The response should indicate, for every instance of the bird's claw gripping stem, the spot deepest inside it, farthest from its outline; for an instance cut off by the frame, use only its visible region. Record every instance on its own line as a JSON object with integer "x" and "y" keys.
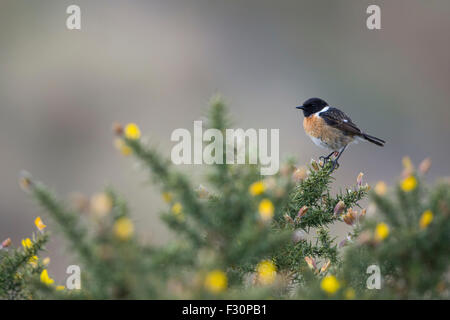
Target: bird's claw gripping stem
{"x": 334, "y": 162}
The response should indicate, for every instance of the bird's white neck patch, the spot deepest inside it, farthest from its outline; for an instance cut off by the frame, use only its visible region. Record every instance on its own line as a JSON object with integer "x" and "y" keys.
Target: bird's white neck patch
{"x": 323, "y": 110}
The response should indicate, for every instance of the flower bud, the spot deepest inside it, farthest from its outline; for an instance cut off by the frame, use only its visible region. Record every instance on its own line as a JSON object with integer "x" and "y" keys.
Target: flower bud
{"x": 408, "y": 167}
{"x": 314, "y": 165}
{"x": 6, "y": 243}
{"x": 299, "y": 174}
{"x": 339, "y": 208}
{"x": 359, "y": 179}
{"x": 350, "y": 217}
{"x": 425, "y": 166}
{"x": 325, "y": 266}
{"x": 311, "y": 263}
{"x": 25, "y": 181}
{"x": 321, "y": 163}
{"x": 117, "y": 129}
{"x": 288, "y": 219}
{"x": 363, "y": 213}
{"x": 302, "y": 211}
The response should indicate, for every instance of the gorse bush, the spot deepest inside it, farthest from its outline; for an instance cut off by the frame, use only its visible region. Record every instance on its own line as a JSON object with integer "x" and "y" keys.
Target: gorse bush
{"x": 242, "y": 236}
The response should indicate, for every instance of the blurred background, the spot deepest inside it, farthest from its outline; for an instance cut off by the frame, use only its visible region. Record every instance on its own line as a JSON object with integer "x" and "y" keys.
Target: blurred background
{"x": 157, "y": 63}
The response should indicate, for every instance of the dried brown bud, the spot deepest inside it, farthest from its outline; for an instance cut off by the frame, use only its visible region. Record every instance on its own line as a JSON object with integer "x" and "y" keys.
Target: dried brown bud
{"x": 321, "y": 163}
{"x": 302, "y": 211}
{"x": 314, "y": 165}
{"x": 288, "y": 219}
{"x": 425, "y": 166}
{"x": 117, "y": 129}
{"x": 363, "y": 213}
{"x": 311, "y": 263}
{"x": 350, "y": 217}
{"x": 325, "y": 266}
{"x": 359, "y": 179}
{"x": 299, "y": 174}
{"x": 25, "y": 181}
{"x": 339, "y": 208}
{"x": 6, "y": 243}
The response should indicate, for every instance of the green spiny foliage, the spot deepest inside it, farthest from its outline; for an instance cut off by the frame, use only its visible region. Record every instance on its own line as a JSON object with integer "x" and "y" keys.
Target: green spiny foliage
{"x": 19, "y": 266}
{"x": 414, "y": 256}
{"x": 244, "y": 236}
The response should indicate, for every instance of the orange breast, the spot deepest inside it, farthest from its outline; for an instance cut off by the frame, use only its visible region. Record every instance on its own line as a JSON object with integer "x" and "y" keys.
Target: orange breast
{"x": 314, "y": 126}
{"x": 334, "y": 138}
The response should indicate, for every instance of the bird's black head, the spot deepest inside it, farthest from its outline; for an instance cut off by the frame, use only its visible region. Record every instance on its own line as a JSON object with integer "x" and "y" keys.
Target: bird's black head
{"x": 312, "y": 105}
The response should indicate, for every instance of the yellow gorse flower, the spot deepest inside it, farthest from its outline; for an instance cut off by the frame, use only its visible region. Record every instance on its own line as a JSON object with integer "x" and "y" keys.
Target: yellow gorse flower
{"x": 132, "y": 131}
{"x": 46, "y": 261}
{"x": 123, "y": 228}
{"x": 39, "y": 224}
{"x": 45, "y": 278}
{"x": 266, "y": 209}
{"x": 425, "y": 219}
{"x": 216, "y": 281}
{"x": 408, "y": 184}
{"x": 33, "y": 261}
{"x": 257, "y": 188}
{"x": 177, "y": 208}
{"x": 59, "y": 288}
{"x": 167, "y": 197}
{"x": 381, "y": 231}
{"x": 26, "y": 243}
{"x": 330, "y": 284}
{"x": 267, "y": 272}
{"x": 122, "y": 147}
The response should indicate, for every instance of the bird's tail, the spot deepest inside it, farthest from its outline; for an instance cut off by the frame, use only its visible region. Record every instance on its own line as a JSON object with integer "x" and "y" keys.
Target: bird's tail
{"x": 373, "y": 139}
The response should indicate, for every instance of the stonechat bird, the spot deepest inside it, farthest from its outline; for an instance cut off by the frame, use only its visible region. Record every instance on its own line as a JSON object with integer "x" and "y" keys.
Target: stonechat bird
{"x": 330, "y": 128}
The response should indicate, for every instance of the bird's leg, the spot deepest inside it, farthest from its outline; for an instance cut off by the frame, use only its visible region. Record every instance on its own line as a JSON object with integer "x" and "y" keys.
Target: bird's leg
{"x": 325, "y": 159}
{"x": 335, "y": 162}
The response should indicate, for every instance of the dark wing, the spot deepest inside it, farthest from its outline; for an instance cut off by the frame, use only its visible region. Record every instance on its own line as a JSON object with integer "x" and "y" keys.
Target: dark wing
{"x": 339, "y": 120}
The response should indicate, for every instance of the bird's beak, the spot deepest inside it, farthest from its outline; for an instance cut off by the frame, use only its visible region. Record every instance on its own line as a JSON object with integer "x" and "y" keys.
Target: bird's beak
{"x": 299, "y": 107}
